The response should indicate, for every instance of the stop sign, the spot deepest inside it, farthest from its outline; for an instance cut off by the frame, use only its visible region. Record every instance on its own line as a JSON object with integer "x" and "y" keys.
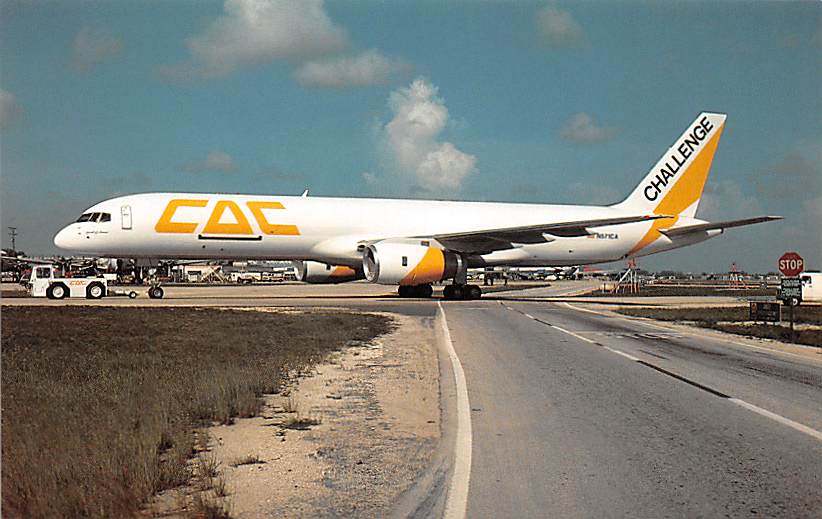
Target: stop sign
{"x": 791, "y": 264}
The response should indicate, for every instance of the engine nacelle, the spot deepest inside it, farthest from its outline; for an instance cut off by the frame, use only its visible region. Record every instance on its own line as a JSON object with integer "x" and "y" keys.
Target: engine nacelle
{"x": 401, "y": 263}
{"x": 323, "y": 273}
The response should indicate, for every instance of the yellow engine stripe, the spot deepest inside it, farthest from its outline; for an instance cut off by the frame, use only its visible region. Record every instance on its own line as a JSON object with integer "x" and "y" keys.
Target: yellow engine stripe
{"x": 430, "y": 268}
{"x": 342, "y": 271}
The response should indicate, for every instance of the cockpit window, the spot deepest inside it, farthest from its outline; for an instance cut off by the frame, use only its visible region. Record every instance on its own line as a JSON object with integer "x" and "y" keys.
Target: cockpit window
{"x": 95, "y": 217}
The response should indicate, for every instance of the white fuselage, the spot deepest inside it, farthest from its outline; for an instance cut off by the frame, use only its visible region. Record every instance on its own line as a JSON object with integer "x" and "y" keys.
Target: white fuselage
{"x": 333, "y": 230}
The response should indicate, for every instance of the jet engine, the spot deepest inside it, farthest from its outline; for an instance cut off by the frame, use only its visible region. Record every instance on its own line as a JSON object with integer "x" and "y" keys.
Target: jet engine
{"x": 406, "y": 264}
{"x": 323, "y": 273}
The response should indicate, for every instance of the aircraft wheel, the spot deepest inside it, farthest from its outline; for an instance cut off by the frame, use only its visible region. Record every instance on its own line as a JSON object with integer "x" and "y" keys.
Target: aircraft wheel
{"x": 403, "y": 291}
{"x": 448, "y": 292}
{"x": 458, "y": 291}
{"x": 57, "y": 291}
{"x": 472, "y": 292}
{"x": 95, "y": 291}
{"x": 426, "y": 291}
{"x": 155, "y": 293}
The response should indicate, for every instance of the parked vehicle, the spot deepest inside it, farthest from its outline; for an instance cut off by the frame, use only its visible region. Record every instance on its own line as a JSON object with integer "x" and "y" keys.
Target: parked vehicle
{"x": 45, "y": 283}
{"x": 811, "y": 286}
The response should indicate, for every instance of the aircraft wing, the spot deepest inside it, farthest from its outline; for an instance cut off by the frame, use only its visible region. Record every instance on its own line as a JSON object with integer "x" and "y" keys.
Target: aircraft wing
{"x": 687, "y": 229}
{"x": 489, "y": 240}
{"x": 21, "y": 259}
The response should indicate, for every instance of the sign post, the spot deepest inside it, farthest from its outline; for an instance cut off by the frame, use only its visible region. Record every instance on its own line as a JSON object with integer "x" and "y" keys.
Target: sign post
{"x": 791, "y": 265}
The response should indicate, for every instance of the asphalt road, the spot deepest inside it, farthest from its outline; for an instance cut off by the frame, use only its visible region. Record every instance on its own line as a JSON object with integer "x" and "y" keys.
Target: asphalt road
{"x": 673, "y": 425}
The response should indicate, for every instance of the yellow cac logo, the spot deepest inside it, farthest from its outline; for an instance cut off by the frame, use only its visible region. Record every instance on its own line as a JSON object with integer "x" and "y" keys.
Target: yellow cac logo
{"x": 214, "y": 224}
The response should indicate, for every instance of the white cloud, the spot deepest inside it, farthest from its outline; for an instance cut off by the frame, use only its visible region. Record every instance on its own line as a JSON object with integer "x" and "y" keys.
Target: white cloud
{"x": 412, "y": 139}
{"x": 10, "y": 110}
{"x": 581, "y": 128}
{"x": 92, "y": 47}
{"x": 726, "y": 200}
{"x": 252, "y": 32}
{"x": 216, "y": 161}
{"x": 811, "y": 238}
{"x": 559, "y": 29}
{"x": 370, "y": 179}
{"x": 368, "y": 68}
{"x": 797, "y": 175}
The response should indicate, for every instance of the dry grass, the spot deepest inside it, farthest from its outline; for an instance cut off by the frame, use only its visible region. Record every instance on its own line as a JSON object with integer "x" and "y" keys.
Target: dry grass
{"x": 100, "y": 404}
{"x": 692, "y": 290}
{"x": 734, "y": 320}
{"x": 207, "y": 507}
{"x": 804, "y": 314}
{"x": 219, "y": 487}
{"x": 251, "y": 459}
{"x": 301, "y": 423}
{"x": 207, "y": 466}
{"x": 290, "y": 405}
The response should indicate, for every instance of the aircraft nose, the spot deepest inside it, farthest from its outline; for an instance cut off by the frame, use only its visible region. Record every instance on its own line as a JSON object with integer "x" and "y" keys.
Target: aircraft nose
{"x": 66, "y": 239}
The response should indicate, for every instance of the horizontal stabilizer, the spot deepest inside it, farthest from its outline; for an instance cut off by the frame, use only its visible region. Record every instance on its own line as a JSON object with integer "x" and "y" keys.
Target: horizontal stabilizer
{"x": 678, "y": 231}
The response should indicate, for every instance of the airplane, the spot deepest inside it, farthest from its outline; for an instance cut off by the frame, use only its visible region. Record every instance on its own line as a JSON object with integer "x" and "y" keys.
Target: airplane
{"x": 414, "y": 243}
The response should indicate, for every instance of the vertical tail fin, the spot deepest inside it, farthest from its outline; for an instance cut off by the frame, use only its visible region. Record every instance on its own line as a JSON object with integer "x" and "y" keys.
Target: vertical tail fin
{"x": 674, "y": 185}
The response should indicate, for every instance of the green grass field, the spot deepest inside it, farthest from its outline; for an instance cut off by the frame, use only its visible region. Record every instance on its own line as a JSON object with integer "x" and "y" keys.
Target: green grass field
{"x": 100, "y": 405}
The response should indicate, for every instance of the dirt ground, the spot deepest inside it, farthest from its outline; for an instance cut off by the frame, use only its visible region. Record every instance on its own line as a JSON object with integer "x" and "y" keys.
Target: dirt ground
{"x": 345, "y": 440}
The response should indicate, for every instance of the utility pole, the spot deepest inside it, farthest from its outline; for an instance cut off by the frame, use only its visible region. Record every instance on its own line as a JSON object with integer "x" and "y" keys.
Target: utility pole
{"x": 13, "y": 235}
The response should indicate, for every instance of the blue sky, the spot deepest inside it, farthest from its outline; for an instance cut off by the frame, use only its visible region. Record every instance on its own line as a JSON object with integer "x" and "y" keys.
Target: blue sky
{"x": 512, "y": 101}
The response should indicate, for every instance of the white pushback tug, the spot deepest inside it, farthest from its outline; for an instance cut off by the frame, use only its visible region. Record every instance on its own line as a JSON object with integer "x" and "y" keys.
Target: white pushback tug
{"x": 44, "y": 283}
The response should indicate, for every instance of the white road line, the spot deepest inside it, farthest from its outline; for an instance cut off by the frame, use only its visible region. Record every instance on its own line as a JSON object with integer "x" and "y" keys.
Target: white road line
{"x": 572, "y": 334}
{"x": 626, "y": 355}
{"x": 572, "y": 307}
{"x": 457, "y": 501}
{"x": 618, "y": 352}
{"x": 779, "y": 418}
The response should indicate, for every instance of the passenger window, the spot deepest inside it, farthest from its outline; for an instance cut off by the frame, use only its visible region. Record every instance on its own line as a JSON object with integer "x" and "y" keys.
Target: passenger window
{"x": 105, "y": 217}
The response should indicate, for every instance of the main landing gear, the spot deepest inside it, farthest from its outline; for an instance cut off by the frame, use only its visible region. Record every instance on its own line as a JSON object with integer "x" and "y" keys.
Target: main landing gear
{"x": 463, "y": 292}
{"x": 450, "y": 292}
{"x": 423, "y": 291}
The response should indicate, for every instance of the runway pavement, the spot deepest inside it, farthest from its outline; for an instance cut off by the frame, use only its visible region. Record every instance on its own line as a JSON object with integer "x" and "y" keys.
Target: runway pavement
{"x": 576, "y": 412}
